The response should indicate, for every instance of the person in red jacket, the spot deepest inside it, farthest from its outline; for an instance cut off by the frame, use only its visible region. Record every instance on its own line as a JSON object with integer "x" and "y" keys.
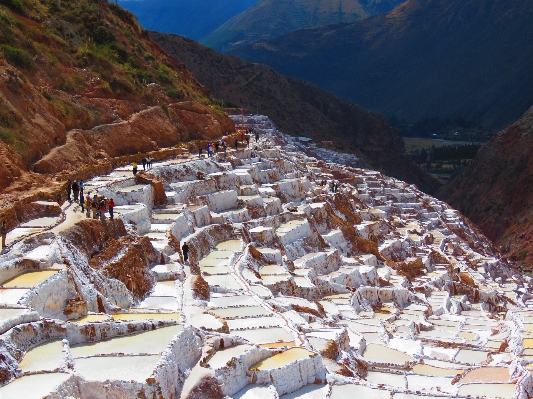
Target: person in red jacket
{"x": 111, "y": 205}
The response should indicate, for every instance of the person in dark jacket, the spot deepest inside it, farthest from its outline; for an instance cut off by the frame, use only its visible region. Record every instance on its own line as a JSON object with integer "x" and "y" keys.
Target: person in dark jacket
{"x": 185, "y": 251}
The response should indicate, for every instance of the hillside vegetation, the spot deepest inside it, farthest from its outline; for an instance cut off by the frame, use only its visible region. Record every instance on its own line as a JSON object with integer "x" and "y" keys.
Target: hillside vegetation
{"x": 495, "y": 190}
{"x": 82, "y": 86}
{"x": 468, "y": 59}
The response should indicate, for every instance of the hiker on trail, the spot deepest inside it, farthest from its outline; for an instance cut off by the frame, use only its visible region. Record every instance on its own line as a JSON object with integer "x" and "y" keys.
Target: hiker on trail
{"x": 102, "y": 208}
{"x": 134, "y": 166}
{"x": 88, "y": 204}
{"x": 200, "y": 152}
{"x": 144, "y": 163}
{"x": 82, "y": 203}
{"x": 82, "y": 187}
{"x": 69, "y": 189}
{"x": 150, "y": 162}
{"x": 185, "y": 251}
{"x": 247, "y": 141}
{"x": 75, "y": 191}
{"x": 3, "y": 231}
{"x": 236, "y": 144}
{"x": 111, "y": 206}
{"x": 94, "y": 206}
{"x": 209, "y": 150}
{"x": 224, "y": 145}
{"x": 256, "y": 137}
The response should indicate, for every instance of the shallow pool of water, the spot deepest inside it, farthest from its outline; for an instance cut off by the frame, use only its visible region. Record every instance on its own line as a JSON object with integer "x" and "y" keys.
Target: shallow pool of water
{"x": 381, "y": 354}
{"x": 160, "y": 302}
{"x": 145, "y": 316}
{"x": 152, "y": 342}
{"x": 282, "y": 359}
{"x": 245, "y": 311}
{"x": 265, "y": 335}
{"x": 222, "y": 357}
{"x": 34, "y": 386}
{"x": 223, "y": 280}
{"x": 232, "y": 300}
{"x": 272, "y": 269}
{"x": 275, "y": 278}
{"x": 230, "y": 245}
{"x": 29, "y": 279}
{"x": 392, "y": 380}
{"x": 357, "y": 391}
{"x": 255, "y": 322}
{"x": 468, "y": 356}
{"x": 425, "y": 369}
{"x": 505, "y": 391}
{"x": 124, "y": 368}
{"x": 496, "y": 375}
{"x": 45, "y": 357}
{"x": 165, "y": 288}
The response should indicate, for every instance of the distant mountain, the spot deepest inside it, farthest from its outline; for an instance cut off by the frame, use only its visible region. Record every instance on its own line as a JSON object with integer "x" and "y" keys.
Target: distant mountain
{"x": 299, "y": 108}
{"x": 272, "y": 18}
{"x": 425, "y": 58}
{"x": 495, "y": 190}
{"x": 193, "y": 19}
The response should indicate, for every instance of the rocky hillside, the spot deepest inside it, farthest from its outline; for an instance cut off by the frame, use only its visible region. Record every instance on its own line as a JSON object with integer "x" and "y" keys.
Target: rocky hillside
{"x": 272, "y": 18}
{"x": 82, "y": 87}
{"x": 298, "y": 108}
{"x": 193, "y": 19}
{"x": 495, "y": 190}
{"x": 425, "y": 58}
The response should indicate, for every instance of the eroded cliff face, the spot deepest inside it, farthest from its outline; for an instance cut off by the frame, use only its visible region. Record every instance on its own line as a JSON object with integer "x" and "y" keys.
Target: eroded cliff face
{"x": 495, "y": 190}
{"x": 82, "y": 88}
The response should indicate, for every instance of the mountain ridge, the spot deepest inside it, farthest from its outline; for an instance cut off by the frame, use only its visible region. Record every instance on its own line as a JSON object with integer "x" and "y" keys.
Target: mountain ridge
{"x": 435, "y": 58}
{"x": 271, "y": 18}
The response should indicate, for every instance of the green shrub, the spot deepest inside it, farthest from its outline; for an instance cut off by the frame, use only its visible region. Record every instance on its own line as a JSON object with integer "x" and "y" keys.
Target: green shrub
{"x": 15, "y": 5}
{"x": 102, "y": 35}
{"x": 522, "y": 254}
{"x": 16, "y": 56}
{"x": 174, "y": 94}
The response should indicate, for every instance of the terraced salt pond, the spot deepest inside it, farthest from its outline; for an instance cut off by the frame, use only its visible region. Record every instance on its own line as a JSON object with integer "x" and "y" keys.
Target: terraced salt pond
{"x": 381, "y": 354}
{"x": 45, "y": 357}
{"x": 241, "y": 312}
{"x": 223, "y": 356}
{"x": 29, "y": 279}
{"x": 121, "y": 368}
{"x": 282, "y": 359}
{"x": 35, "y": 386}
{"x": 265, "y": 335}
{"x": 153, "y": 342}
{"x": 145, "y": 316}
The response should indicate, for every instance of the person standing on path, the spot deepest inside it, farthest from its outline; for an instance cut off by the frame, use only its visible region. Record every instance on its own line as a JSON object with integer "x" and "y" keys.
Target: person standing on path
{"x": 102, "y": 208}
{"x": 3, "y": 232}
{"x": 94, "y": 206}
{"x": 185, "y": 251}
{"x": 88, "y": 204}
{"x": 144, "y": 161}
{"x": 111, "y": 206}
{"x": 236, "y": 144}
{"x": 81, "y": 185}
{"x": 75, "y": 190}
{"x": 82, "y": 203}
{"x": 134, "y": 166}
{"x": 200, "y": 152}
{"x": 69, "y": 190}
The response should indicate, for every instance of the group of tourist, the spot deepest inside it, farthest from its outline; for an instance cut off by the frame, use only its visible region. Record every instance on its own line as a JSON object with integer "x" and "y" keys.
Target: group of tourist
{"x": 98, "y": 205}
{"x": 75, "y": 189}
{"x": 213, "y": 148}
{"x": 147, "y": 163}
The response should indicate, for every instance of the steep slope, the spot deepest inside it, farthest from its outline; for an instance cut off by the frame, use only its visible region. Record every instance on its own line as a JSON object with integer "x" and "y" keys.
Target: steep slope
{"x": 426, "y": 58}
{"x": 193, "y": 19}
{"x": 272, "y": 18}
{"x": 495, "y": 190}
{"x": 82, "y": 88}
{"x": 298, "y": 108}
